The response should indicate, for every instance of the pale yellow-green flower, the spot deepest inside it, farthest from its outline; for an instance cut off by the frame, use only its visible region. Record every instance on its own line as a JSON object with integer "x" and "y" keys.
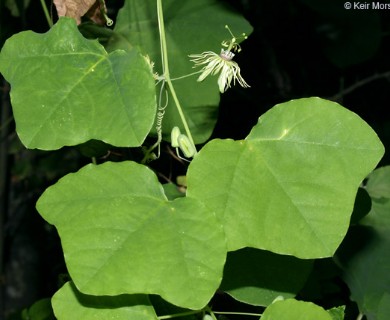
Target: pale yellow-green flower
{"x": 221, "y": 63}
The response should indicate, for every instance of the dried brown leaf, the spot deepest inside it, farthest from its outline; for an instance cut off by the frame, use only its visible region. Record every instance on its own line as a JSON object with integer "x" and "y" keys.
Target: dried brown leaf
{"x": 73, "y": 8}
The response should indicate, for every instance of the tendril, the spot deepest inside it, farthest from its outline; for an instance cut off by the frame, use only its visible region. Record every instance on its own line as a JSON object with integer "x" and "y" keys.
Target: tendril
{"x": 103, "y": 11}
{"x": 160, "y": 117}
{"x": 159, "y": 121}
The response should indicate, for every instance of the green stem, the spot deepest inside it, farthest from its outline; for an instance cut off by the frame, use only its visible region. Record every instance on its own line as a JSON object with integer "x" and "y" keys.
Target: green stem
{"x": 187, "y": 75}
{"x": 103, "y": 11}
{"x": 177, "y": 315}
{"x": 165, "y": 66}
{"x": 239, "y": 313}
{"x": 208, "y": 309}
{"x": 47, "y": 15}
{"x": 360, "y": 316}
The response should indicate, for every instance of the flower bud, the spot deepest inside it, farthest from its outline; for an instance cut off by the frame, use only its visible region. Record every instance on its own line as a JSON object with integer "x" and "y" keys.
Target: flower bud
{"x": 175, "y": 133}
{"x": 186, "y": 146}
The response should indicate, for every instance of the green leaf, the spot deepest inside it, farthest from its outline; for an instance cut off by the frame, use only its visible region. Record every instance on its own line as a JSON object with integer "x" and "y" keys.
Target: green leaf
{"x": 361, "y": 207}
{"x": 70, "y": 304}
{"x": 172, "y": 191}
{"x": 378, "y": 183}
{"x": 191, "y": 27}
{"x": 290, "y": 186}
{"x": 378, "y": 187}
{"x": 364, "y": 254}
{"x": 67, "y": 90}
{"x": 120, "y": 235}
{"x": 337, "y": 313}
{"x": 364, "y": 258}
{"x": 40, "y": 310}
{"x": 291, "y": 309}
{"x": 258, "y": 277}
{"x": 94, "y": 148}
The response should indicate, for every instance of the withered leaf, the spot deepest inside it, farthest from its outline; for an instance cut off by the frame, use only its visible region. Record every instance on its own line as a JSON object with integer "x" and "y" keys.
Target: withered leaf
{"x": 73, "y": 8}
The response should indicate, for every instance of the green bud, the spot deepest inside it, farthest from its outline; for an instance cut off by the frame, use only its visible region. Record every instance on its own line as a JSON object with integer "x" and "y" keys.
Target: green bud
{"x": 186, "y": 146}
{"x": 175, "y": 133}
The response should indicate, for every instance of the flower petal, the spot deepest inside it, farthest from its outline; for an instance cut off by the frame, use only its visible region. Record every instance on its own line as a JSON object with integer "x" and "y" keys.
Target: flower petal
{"x": 228, "y": 69}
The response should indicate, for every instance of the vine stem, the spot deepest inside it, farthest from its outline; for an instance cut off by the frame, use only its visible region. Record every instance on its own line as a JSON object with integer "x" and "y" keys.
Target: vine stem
{"x": 177, "y": 315}
{"x": 361, "y": 83}
{"x": 238, "y": 313}
{"x": 165, "y": 66}
{"x": 212, "y": 313}
{"x": 47, "y": 15}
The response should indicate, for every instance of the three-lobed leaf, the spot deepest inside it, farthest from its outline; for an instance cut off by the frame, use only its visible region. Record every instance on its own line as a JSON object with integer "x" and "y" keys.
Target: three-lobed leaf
{"x": 67, "y": 90}
{"x": 290, "y": 186}
{"x": 120, "y": 235}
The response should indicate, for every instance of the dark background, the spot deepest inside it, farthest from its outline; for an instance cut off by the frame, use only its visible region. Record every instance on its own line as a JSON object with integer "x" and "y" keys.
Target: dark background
{"x": 299, "y": 48}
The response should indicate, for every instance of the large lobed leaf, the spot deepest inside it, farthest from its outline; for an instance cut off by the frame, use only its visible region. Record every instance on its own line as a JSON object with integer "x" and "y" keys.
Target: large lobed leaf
{"x": 67, "y": 90}
{"x": 120, "y": 235}
{"x": 191, "y": 27}
{"x": 290, "y": 186}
